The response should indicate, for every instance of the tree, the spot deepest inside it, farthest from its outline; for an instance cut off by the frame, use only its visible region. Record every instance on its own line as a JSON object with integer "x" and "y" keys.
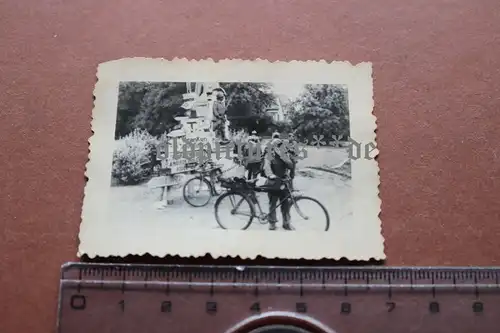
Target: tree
{"x": 130, "y": 95}
{"x": 246, "y": 104}
{"x": 151, "y": 106}
{"x": 321, "y": 110}
{"x": 160, "y": 105}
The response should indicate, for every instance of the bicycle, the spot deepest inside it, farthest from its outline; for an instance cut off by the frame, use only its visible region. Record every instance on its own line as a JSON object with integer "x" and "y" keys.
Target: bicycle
{"x": 205, "y": 182}
{"x": 247, "y": 191}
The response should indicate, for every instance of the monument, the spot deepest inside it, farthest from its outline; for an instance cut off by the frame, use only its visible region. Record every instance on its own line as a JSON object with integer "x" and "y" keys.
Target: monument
{"x": 195, "y": 126}
{"x": 198, "y": 103}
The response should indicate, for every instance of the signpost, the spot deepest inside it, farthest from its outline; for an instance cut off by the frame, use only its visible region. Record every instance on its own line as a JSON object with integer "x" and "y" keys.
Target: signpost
{"x": 196, "y": 124}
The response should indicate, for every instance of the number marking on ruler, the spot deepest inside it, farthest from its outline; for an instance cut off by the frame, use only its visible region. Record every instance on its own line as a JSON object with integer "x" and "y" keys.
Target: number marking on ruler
{"x": 128, "y": 298}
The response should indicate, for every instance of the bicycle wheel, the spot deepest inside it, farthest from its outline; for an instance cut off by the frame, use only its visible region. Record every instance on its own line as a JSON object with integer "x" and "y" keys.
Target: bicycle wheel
{"x": 309, "y": 214}
{"x": 236, "y": 208}
{"x": 197, "y": 192}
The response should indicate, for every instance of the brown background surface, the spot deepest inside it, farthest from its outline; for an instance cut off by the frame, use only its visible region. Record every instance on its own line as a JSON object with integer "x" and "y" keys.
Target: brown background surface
{"x": 437, "y": 99}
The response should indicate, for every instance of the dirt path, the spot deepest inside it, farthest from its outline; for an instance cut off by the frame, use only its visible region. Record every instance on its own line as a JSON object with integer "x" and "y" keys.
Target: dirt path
{"x": 139, "y": 204}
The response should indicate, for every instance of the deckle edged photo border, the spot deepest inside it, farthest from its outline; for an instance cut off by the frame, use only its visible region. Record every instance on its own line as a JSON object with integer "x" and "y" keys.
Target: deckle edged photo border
{"x": 105, "y": 231}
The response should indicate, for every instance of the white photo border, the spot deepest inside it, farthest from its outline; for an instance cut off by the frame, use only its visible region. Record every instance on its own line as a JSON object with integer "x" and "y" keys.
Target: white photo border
{"x": 362, "y": 240}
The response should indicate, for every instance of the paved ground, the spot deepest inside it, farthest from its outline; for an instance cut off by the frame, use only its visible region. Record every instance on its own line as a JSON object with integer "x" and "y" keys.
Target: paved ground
{"x": 139, "y": 204}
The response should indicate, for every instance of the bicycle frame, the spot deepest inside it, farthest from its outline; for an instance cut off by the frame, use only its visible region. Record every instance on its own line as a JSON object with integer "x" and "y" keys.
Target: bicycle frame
{"x": 206, "y": 175}
{"x": 254, "y": 200}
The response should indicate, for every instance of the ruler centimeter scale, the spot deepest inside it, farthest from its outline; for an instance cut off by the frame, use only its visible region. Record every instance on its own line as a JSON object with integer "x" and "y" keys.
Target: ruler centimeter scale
{"x": 231, "y": 299}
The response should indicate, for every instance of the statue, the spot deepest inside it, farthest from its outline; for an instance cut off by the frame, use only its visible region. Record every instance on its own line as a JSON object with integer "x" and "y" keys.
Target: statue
{"x": 219, "y": 117}
{"x": 205, "y": 111}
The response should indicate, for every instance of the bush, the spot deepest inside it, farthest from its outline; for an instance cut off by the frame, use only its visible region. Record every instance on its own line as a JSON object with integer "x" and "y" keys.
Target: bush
{"x": 238, "y": 139}
{"x": 239, "y": 136}
{"x": 132, "y": 157}
{"x": 322, "y": 110}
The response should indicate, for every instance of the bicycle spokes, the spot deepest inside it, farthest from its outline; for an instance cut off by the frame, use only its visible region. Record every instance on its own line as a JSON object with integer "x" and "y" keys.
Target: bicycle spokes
{"x": 197, "y": 192}
{"x": 234, "y": 211}
{"x": 235, "y": 204}
{"x": 309, "y": 214}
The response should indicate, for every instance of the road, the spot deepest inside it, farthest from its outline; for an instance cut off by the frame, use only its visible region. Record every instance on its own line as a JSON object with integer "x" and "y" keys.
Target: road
{"x": 140, "y": 204}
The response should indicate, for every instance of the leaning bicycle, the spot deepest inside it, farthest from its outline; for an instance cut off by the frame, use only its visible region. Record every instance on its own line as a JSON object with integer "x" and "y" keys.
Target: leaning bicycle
{"x": 198, "y": 190}
{"x": 241, "y": 203}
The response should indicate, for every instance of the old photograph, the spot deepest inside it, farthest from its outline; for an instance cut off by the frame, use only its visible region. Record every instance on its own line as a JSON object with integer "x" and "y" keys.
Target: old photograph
{"x": 232, "y": 158}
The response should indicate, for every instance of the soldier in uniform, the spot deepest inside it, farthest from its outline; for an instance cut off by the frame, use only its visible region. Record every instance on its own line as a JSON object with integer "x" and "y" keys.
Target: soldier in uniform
{"x": 277, "y": 166}
{"x": 254, "y": 137}
{"x": 252, "y": 156}
{"x": 293, "y": 150}
{"x": 219, "y": 117}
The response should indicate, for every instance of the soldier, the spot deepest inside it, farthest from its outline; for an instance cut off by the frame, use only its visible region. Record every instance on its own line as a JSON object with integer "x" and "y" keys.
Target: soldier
{"x": 219, "y": 117}
{"x": 254, "y": 137}
{"x": 293, "y": 150}
{"x": 277, "y": 167}
{"x": 252, "y": 156}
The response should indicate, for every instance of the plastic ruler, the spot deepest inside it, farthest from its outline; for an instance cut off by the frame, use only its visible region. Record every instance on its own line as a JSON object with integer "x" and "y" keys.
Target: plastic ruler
{"x": 102, "y": 298}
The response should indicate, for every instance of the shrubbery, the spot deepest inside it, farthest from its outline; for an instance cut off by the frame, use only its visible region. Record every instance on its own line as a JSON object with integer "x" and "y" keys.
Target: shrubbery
{"x": 151, "y": 108}
{"x": 132, "y": 157}
{"x": 238, "y": 140}
{"x": 322, "y": 110}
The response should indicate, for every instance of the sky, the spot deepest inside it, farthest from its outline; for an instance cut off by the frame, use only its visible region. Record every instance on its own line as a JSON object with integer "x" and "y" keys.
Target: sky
{"x": 290, "y": 89}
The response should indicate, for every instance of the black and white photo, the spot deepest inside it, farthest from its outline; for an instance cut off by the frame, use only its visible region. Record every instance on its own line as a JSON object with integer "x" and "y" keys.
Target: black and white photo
{"x": 188, "y": 160}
